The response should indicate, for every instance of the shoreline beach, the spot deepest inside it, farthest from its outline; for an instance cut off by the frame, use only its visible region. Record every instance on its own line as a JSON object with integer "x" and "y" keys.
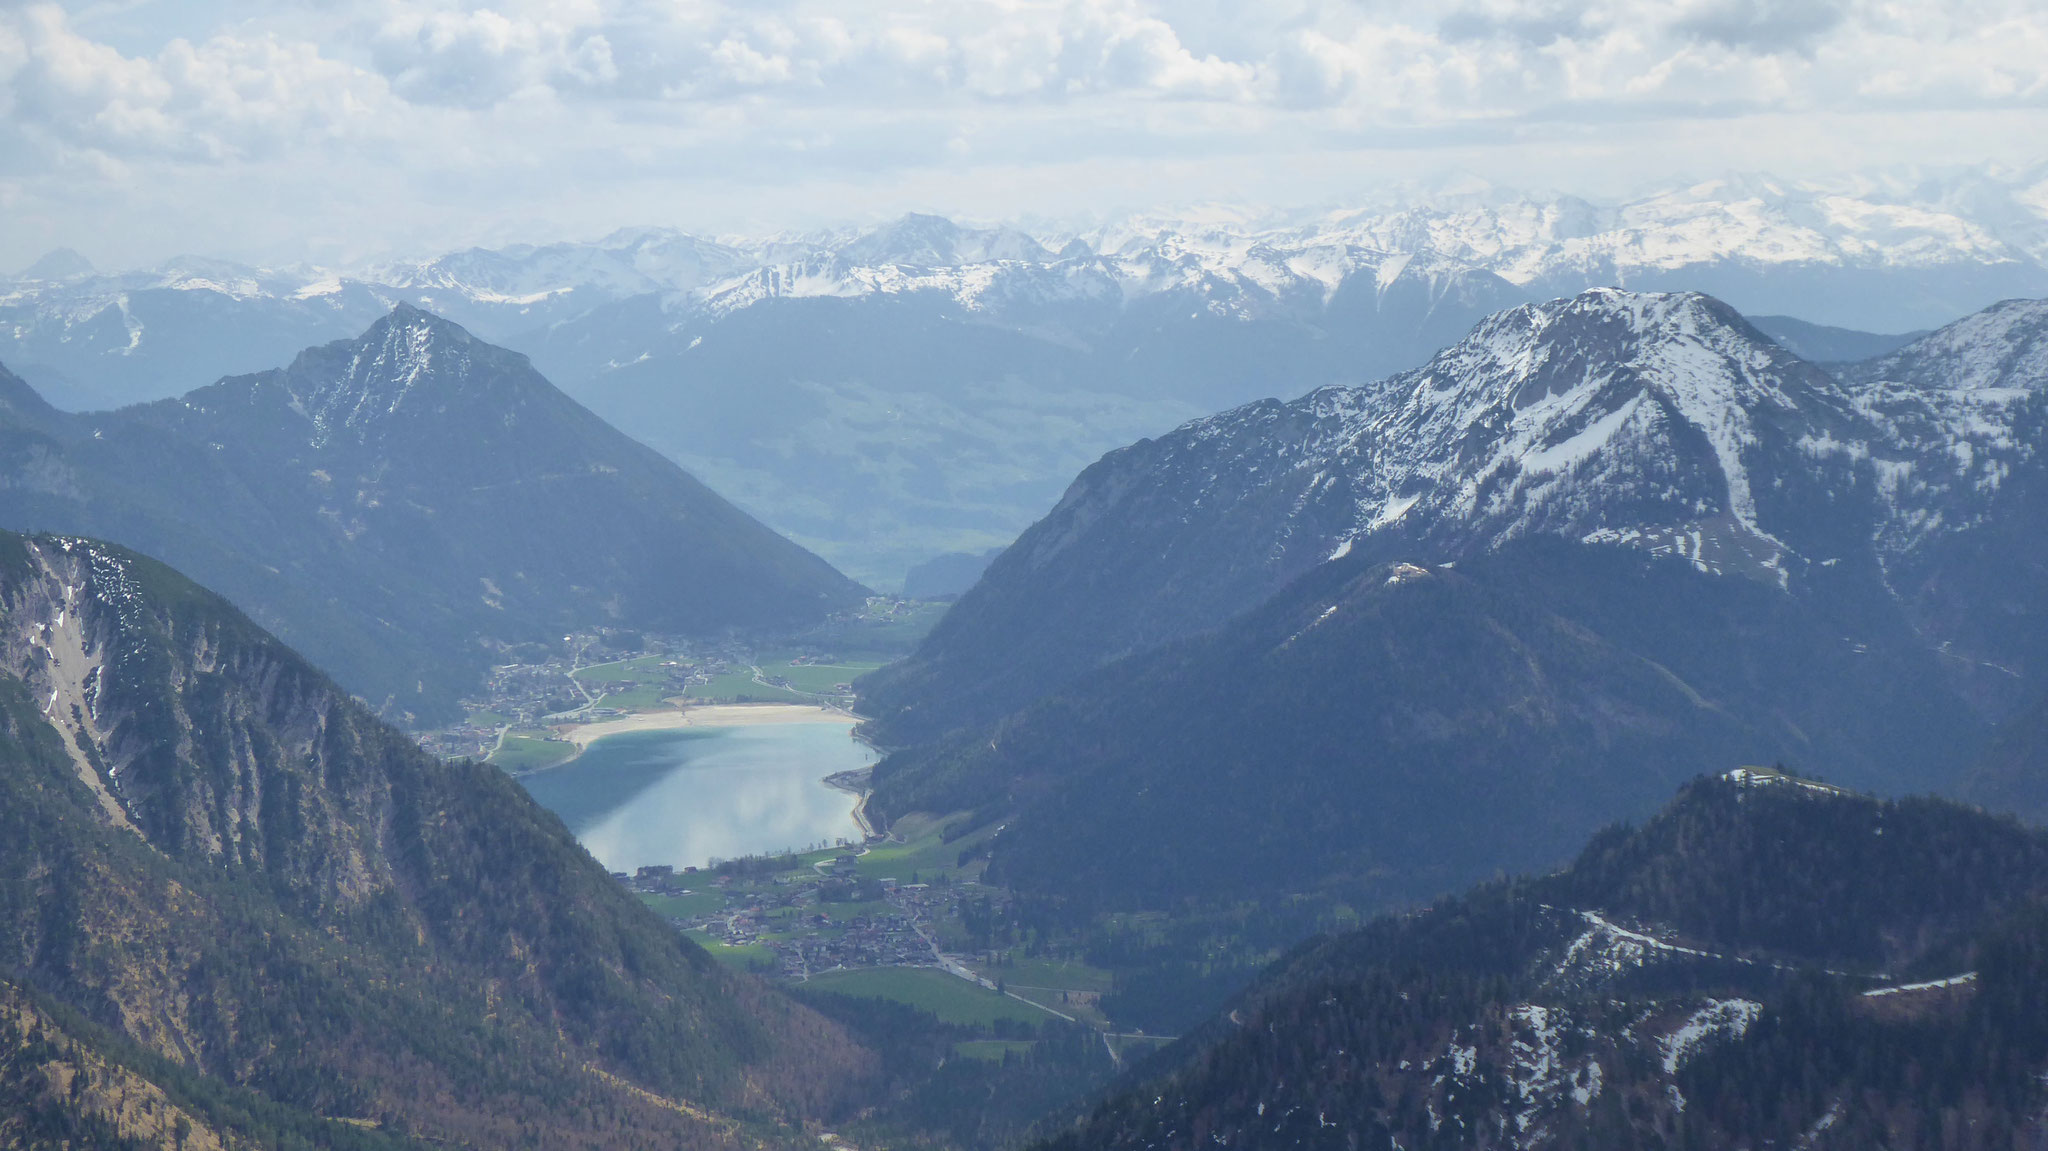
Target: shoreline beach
{"x": 702, "y": 715}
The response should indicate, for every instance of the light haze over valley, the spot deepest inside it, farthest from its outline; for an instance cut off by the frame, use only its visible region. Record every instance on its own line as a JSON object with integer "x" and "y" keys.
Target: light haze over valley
{"x": 1055, "y": 575}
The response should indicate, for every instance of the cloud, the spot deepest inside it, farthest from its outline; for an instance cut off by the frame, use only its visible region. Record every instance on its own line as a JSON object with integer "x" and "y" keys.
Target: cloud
{"x": 485, "y": 100}
{"x": 1762, "y": 25}
{"x": 223, "y": 98}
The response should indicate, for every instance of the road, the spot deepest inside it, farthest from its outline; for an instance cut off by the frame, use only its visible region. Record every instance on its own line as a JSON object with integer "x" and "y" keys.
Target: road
{"x": 952, "y": 966}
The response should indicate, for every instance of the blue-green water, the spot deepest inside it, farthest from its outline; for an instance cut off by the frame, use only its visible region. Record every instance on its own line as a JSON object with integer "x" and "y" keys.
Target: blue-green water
{"x": 686, "y": 797}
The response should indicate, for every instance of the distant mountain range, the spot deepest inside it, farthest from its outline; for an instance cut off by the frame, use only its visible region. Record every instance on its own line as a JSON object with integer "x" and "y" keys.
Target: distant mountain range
{"x": 239, "y": 911}
{"x": 397, "y": 502}
{"x": 886, "y": 395}
{"x": 1769, "y": 962}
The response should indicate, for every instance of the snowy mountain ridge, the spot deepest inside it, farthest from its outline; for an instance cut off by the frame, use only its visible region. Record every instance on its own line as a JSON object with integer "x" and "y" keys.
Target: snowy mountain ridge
{"x": 1547, "y": 245}
{"x": 1654, "y": 421}
{"x": 380, "y": 376}
{"x": 1949, "y": 419}
{"x": 1903, "y": 491}
{"x": 1663, "y": 421}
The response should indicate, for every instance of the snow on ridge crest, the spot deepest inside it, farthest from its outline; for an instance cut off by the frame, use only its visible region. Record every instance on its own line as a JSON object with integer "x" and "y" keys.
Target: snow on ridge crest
{"x": 383, "y": 370}
{"x": 1571, "y": 397}
{"x": 1660, "y": 422}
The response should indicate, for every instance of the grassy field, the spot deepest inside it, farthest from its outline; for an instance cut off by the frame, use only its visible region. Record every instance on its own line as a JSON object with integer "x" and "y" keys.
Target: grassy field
{"x": 488, "y": 719}
{"x": 742, "y": 684}
{"x": 926, "y": 854}
{"x": 845, "y": 911}
{"x": 952, "y": 999}
{"x": 745, "y": 957}
{"x": 991, "y": 1050}
{"x": 820, "y": 678}
{"x": 643, "y": 667}
{"x": 1077, "y": 1005}
{"x": 808, "y": 682}
{"x": 647, "y": 697}
{"x": 686, "y": 906}
{"x": 525, "y": 753}
{"x": 648, "y": 672}
{"x": 1053, "y": 974}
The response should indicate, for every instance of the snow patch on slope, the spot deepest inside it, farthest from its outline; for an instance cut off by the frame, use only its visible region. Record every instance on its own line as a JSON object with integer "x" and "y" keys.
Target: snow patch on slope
{"x": 1719, "y": 1019}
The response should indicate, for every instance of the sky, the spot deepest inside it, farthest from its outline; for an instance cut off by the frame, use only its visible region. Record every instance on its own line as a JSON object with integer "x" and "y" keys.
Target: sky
{"x": 339, "y": 131}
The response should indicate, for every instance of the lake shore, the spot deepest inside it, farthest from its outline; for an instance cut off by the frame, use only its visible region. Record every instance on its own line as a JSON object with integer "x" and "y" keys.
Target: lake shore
{"x": 702, "y": 715}
{"x": 857, "y": 783}
{"x": 685, "y": 787}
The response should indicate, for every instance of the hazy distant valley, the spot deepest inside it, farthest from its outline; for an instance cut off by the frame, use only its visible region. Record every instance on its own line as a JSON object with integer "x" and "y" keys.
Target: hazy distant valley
{"x": 1429, "y": 676}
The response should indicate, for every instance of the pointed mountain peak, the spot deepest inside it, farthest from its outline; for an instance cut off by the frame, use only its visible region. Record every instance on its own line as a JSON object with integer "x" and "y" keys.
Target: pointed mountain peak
{"x": 409, "y": 358}
{"x": 58, "y": 264}
{"x": 920, "y": 240}
{"x": 405, "y": 314}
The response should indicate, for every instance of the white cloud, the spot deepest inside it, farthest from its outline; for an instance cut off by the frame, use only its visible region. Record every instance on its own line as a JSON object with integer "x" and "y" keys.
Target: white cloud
{"x": 509, "y": 108}
{"x": 224, "y": 98}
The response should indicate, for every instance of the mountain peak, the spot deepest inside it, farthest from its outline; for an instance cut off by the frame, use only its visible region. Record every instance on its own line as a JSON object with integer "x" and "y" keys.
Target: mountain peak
{"x": 350, "y": 385}
{"x": 58, "y": 264}
{"x": 926, "y": 241}
{"x": 419, "y": 324}
{"x": 2003, "y": 346}
{"x": 1651, "y": 422}
{"x": 1609, "y": 416}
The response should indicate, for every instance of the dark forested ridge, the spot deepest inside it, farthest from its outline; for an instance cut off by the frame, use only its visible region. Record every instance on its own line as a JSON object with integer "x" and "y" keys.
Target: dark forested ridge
{"x": 1394, "y": 731}
{"x": 2012, "y": 774}
{"x": 1825, "y": 344}
{"x": 1769, "y": 962}
{"x": 388, "y": 504}
{"x": 235, "y": 905}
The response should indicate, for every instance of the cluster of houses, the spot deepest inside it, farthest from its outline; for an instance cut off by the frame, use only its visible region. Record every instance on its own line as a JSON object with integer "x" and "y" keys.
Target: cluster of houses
{"x": 860, "y": 941}
{"x": 807, "y": 932}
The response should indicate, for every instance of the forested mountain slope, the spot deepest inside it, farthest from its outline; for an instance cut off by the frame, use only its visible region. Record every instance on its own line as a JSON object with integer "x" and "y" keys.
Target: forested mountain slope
{"x": 1392, "y": 731}
{"x": 1770, "y": 962}
{"x": 229, "y": 892}
{"x": 388, "y": 502}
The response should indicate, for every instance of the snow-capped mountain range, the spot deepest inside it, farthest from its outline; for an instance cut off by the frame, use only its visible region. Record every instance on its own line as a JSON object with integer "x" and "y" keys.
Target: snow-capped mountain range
{"x": 1664, "y": 423}
{"x": 886, "y": 394}
{"x": 1987, "y": 234}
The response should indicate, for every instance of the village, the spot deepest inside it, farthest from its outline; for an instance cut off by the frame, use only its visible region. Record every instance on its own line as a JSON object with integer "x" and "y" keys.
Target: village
{"x": 796, "y": 926}
{"x": 906, "y": 906}
{"x": 524, "y": 705}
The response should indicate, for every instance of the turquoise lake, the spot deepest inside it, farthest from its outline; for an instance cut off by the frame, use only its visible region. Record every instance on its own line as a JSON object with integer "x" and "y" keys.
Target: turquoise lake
{"x": 686, "y": 797}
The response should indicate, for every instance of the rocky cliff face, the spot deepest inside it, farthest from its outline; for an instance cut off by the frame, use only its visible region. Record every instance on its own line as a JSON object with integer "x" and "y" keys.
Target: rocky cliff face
{"x": 250, "y": 889}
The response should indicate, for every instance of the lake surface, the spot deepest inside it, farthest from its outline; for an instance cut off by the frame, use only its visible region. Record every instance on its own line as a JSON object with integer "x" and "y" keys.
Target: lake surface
{"x": 684, "y": 797}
